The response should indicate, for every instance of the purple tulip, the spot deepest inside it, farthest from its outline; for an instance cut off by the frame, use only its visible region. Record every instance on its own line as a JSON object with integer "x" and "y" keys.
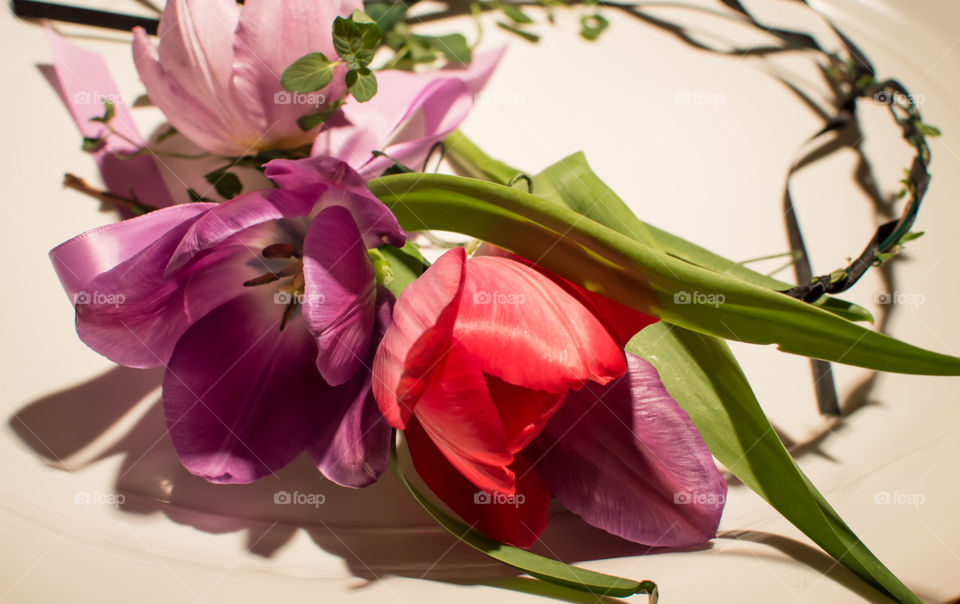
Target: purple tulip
{"x": 266, "y": 313}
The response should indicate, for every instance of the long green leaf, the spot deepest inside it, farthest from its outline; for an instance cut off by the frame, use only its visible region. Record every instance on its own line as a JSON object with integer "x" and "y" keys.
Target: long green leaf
{"x": 703, "y": 376}
{"x": 528, "y": 562}
{"x": 643, "y": 277}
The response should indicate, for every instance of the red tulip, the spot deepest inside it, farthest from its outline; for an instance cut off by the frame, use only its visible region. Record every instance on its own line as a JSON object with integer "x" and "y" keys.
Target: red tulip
{"x": 475, "y": 367}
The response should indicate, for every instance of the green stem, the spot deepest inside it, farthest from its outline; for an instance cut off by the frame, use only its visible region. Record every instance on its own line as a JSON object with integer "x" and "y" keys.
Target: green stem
{"x": 471, "y": 159}
{"x": 545, "y": 569}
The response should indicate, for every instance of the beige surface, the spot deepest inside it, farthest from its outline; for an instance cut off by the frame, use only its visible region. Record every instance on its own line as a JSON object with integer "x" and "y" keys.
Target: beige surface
{"x": 710, "y": 172}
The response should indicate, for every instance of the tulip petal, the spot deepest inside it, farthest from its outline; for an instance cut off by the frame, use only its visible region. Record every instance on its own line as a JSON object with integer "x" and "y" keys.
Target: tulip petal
{"x": 241, "y": 397}
{"x": 524, "y": 329}
{"x": 418, "y": 335}
{"x": 86, "y": 84}
{"x": 234, "y": 215}
{"x": 516, "y": 519}
{"x": 339, "y": 294}
{"x": 357, "y": 454}
{"x": 190, "y": 76}
{"x": 411, "y": 112}
{"x": 342, "y": 186}
{"x": 628, "y": 460}
{"x": 456, "y": 411}
{"x": 79, "y": 260}
{"x": 270, "y": 37}
{"x": 523, "y": 412}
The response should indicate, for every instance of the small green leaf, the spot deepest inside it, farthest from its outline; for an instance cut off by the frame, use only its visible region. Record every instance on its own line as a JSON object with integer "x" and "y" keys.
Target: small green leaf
{"x": 928, "y": 130}
{"x": 108, "y": 113}
{"x": 92, "y": 144}
{"x": 226, "y": 183}
{"x": 406, "y": 264}
{"x": 362, "y": 84}
{"x": 356, "y": 43}
{"x": 526, "y": 35}
{"x": 514, "y": 13}
{"x": 387, "y": 14}
{"x": 312, "y": 120}
{"x": 195, "y": 197}
{"x": 591, "y": 26}
{"x": 308, "y": 73}
{"x": 910, "y": 236}
{"x": 453, "y": 46}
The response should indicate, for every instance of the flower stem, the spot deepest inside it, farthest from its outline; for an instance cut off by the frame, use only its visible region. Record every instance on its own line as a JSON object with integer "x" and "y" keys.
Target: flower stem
{"x": 72, "y": 181}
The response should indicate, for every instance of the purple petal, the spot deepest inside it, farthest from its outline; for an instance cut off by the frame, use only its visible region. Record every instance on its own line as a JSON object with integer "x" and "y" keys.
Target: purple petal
{"x": 241, "y": 397}
{"x": 134, "y": 315}
{"x": 270, "y": 37}
{"x": 628, "y": 460}
{"x": 357, "y": 453}
{"x": 85, "y": 84}
{"x": 237, "y": 214}
{"x": 339, "y": 294}
{"x": 79, "y": 260}
{"x": 342, "y": 186}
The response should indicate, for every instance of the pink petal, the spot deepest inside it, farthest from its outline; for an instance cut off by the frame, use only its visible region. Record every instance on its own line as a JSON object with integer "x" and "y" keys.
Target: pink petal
{"x": 342, "y": 186}
{"x": 419, "y": 334}
{"x": 339, "y": 295}
{"x": 270, "y": 37}
{"x": 628, "y": 460}
{"x": 524, "y": 329}
{"x": 86, "y": 84}
{"x": 515, "y": 518}
{"x": 241, "y": 397}
{"x": 190, "y": 76}
{"x": 357, "y": 453}
{"x": 79, "y": 260}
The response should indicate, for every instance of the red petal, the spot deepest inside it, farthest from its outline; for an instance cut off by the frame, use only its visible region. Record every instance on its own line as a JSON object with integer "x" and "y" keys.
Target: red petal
{"x": 417, "y": 338}
{"x": 526, "y": 330}
{"x": 513, "y": 519}
{"x": 523, "y": 412}
{"x": 461, "y": 419}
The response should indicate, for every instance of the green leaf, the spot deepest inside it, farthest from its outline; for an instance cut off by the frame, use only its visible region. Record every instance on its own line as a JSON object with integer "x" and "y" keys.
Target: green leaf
{"x": 534, "y": 565}
{"x": 312, "y": 120}
{"x": 591, "y": 26}
{"x": 362, "y": 84}
{"x": 92, "y": 144}
{"x": 705, "y": 379}
{"x": 356, "y": 42}
{"x": 514, "y": 13}
{"x": 387, "y": 14}
{"x": 453, "y": 46}
{"x": 406, "y": 265}
{"x": 910, "y": 236}
{"x": 226, "y": 183}
{"x": 702, "y": 375}
{"x": 645, "y": 278}
{"x": 928, "y": 130}
{"x": 108, "y": 112}
{"x": 308, "y": 73}
{"x": 526, "y": 35}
